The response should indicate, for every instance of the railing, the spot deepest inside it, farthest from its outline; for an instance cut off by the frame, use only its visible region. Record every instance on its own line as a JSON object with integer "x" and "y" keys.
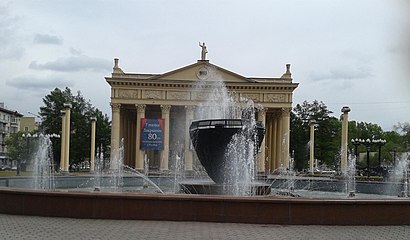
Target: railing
{"x": 217, "y": 123}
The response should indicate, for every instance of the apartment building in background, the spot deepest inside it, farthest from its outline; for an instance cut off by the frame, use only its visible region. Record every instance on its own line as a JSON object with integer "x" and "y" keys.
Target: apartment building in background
{"x": 9, "y": 124}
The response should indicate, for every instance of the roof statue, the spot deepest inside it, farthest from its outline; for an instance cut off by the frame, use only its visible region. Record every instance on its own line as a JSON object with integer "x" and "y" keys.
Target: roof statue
{"x": 204, "y": 51}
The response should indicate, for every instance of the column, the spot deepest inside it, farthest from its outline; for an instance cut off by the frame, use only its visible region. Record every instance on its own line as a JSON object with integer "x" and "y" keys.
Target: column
{"x": 92, "y": 151}
{"x": 268, "y": 143}
{"x": 115, "y": 133}
{"x": 312, "y": 125}
{"x": 345, "y": 123}
{"x": 63, "y": 133}
{"x": 139, "y": 154}
{"x": 279, "y": 140}
{"x": 261, "y": 156}
{"x": 67, "y": 107}
{"x": 274, "y": 148}
{"x": 165, "y": 109}
{"x": 286, "y": 136}
{"x": 189, "y": 116}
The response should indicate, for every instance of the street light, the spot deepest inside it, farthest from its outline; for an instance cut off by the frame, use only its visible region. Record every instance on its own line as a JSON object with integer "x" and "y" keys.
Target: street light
{"x": 394, "y": 157}
{"x": 356, "y": 144}
{"x": 379, "y": 142}
{"x": 29, "y": 136}
{"x": 367, "y": 143}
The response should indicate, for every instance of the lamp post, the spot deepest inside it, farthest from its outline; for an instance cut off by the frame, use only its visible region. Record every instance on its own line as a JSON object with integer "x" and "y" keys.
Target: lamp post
{"x": 356, "y": 142}
{"x": 367, "y": 143}
{"x": 394, "y": 157}
{"x": 379, "y": 142}
{"x": 29, "y": 136}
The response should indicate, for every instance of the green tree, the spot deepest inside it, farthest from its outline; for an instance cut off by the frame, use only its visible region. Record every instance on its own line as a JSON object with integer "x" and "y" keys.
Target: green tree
{"x": 365, "y": 130}
{"x": 20, "y": 149}
{"x": 301, "y": 116}
{"x": 102, "y": 133}
{"x": 80, "y": 123}
{"x": 404, "y": 130}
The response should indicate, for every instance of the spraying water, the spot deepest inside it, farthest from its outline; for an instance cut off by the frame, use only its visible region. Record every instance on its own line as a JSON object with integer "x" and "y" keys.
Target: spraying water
{"x": 401, "y": 174}
{"x": 350, "y": 176}
{"x": 240, "y": 154}
{"x": 43, "y": 171}
{"x": 98, "y": 168}
{"x": 117, "y": 171}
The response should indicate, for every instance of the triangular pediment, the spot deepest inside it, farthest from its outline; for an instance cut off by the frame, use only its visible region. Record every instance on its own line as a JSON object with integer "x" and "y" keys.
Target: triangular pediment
{"x": 202, "y": 70}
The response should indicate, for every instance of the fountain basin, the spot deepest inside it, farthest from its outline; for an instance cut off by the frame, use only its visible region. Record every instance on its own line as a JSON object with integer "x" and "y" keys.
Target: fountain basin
{"x": 211, "y": 208}
{"x": 210, "y": 139}
{"x": 211, "y": 188}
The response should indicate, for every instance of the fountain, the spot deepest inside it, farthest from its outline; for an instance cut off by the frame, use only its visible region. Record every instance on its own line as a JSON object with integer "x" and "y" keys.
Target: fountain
{"x": 43, "y": 171}
{"x": 226, "y": 137}
{"x": 350, "y": 176}
{"x": 400, "y": 175}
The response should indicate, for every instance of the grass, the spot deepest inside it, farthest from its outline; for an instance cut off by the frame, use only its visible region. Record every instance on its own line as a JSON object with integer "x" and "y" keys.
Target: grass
{"x": 9, "y": 173}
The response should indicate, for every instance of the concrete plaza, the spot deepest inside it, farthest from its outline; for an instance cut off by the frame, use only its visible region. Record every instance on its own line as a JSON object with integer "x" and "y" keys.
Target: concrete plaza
{"x": 32, "y": 227}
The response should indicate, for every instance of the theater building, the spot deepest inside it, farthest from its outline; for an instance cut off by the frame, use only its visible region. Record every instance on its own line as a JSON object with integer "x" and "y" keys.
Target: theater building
{"x": 167, "y": 102}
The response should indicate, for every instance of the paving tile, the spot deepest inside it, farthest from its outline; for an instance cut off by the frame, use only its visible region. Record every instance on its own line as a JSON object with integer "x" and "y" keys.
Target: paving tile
{"x": 33, "y": 227}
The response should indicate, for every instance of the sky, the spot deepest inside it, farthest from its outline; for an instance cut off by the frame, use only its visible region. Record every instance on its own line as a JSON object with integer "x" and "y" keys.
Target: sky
{"x": 342, "y": 52}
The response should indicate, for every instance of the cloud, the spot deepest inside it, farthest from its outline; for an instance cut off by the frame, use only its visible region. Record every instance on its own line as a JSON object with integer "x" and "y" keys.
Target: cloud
{"x": 47, "y": 39}
{"x": 73, "y": 64}
{"x": 345, "y": 73}
{"x": 12, "y": 52}
{"x": 76, "y": 52}
{"x": 10, "y": 47}
{"x": 33, "y": 83}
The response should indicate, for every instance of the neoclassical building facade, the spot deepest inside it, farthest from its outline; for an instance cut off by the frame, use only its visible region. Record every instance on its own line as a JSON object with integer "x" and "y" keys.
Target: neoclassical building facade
{"x": 173, "y": 97}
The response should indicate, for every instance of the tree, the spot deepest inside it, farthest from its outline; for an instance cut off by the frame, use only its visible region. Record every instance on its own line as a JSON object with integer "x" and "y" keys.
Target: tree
{"x": 102, "y": 133}
{"x": 80, "y": 123}
{"x": 20, "y": 149}
{"x": 15, "y": 149}
{"x": 301, "y": 115}
{"x": 404, "y": 130}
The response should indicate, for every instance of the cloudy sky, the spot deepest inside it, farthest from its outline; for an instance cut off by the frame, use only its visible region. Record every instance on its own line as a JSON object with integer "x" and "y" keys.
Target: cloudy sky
{"x": 343, "y": 52}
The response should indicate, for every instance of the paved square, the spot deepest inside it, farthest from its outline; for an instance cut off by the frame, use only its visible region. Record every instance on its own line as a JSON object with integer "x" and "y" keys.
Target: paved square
{"x": 32, "y": 227}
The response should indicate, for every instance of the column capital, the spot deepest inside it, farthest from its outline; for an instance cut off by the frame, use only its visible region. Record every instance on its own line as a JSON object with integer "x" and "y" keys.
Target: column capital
{"x": 140, "y": 107}
{"x": 190, "y": 108}
{"x": 286, "y": 111}
{"x": 67, "y": 105}
{"x": 115, "y": 106}
{"x": 165, "y": 109}
{"x": 262, "y": 111}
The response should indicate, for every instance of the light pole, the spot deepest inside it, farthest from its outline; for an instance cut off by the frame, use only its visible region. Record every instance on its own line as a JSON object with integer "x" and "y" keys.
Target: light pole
{"x": 356, "y": 142}
{"x": 367, "y": 143}
{"x": 29, "y": 136}
{"x": 379, "y": 142}
{"x": 394, "y": 157}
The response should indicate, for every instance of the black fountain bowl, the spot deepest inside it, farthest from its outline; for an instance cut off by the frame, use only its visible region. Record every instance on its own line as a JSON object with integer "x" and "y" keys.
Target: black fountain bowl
{"x": 211, "y": 188}
{"x": 210, "y": 139}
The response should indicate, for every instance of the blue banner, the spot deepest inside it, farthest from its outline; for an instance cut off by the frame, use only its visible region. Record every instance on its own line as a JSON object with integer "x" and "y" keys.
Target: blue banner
{"x": 152, "y": 132}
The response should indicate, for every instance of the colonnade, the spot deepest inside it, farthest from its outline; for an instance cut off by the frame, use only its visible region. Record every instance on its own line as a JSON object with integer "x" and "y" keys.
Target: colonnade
{"x": 273, "y": 154}
{"x": 277, "y": 139}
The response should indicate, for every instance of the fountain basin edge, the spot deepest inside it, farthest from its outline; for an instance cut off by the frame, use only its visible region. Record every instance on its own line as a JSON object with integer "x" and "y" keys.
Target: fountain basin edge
{"x": 204, "y": 208}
